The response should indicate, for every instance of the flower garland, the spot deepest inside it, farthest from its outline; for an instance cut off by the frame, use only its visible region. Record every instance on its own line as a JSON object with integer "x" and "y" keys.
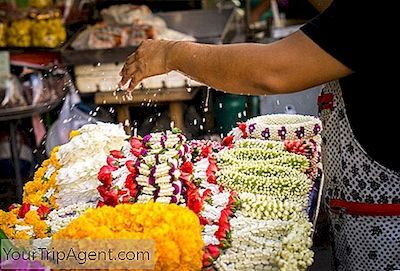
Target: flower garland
{"x": 216, "y": 207}
{"x": 201, "y": 149}
{"x": 267, "y": 245}
{"x": 22, "y": 222}
{"x": 179, "y": 247}
{"x": 63, "y": 179}
{"x": 160, "y": 171}
{"x": 310, "y": 148}
{"x": 263, "y": 207}
{"x": 42, "y": 189}
{"x": 260, "y": 144}
{"x": 81, "y": 159}
{"x": 59, "y": 219}
{"x": 259, "y": 156}
{"x": 282, "y": 186}
{"x": 278, "y": 127}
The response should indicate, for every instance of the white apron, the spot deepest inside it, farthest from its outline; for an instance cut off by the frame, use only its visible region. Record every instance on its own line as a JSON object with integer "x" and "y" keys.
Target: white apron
{"x": 362, "y": 196}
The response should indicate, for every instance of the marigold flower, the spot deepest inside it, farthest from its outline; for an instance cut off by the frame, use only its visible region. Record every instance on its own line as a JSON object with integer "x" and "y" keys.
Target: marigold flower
{"x": 176, "y": 231}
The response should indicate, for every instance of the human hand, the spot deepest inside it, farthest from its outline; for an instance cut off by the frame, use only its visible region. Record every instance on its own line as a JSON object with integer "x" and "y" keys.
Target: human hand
{"x": 149, "y": 59}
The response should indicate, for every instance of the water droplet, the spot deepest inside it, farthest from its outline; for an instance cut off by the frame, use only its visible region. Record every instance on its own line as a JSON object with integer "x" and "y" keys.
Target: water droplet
{"x": 204, "y": 120}
{"x": 201, "y": 127}
{"x": 172, "y": 124}
{"x": 205, "y": 109}
{"x": 159, "y": 114}
{"x": 151, "y": 119}
{"x": 35, "y": 151}
{"x": 98, "y": 64}
{"x": 207, "y": 97}
{"x": 195, "y": 122}
{"x": 278, "y": 102}
{"x": 89, "y": 119}
{"x": 244, "y": 113}
{"x": 221, "y": 135}
{"x": 189, "y": 90}
{"x": 220, "y": 105}
{"x": 94, "y": 114}
{"x": 240, "y": 115}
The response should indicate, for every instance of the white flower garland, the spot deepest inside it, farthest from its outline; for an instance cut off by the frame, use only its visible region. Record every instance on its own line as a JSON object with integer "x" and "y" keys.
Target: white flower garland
{"x": 261, "y": 144}
{"x": 267, "y": 245}
{"x": 59, "y": 219}
{"x": 261, "y": 157}
{"x": 280, "y": 186}
{"x": 81, "y": 158}
{"x": 267, "y": 207}
{"x": 280, "y": 127}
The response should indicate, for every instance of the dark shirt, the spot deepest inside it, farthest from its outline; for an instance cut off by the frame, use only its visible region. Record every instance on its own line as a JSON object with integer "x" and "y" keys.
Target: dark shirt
{"x": 362, "y": 36}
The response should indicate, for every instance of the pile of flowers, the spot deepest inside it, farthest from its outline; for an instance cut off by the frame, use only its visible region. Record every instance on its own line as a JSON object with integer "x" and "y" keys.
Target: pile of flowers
{"x": 175, "y": 230}
{"x": 64, "y": 183}
{"x": 272, "y": 164}
{"x": 158, "y": 168}
{"x": 239, "y": 204}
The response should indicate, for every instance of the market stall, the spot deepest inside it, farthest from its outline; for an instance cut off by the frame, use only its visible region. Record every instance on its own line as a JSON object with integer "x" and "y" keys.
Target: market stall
{"x": 241, "y": 204}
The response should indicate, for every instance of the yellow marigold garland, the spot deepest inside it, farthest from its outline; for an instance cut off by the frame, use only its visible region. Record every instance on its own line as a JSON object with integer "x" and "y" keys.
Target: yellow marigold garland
{"x": 176, "y": 231}
{"x": 34, "y": 191}
{"x": 35, "y": 195}
{"x": 8, "y": 221}
{"x": 73, "y": 134}
{"x": 53, "y": 157}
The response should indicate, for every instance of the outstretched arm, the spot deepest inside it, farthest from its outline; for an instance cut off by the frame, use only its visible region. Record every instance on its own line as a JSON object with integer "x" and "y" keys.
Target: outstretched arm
{"x": 291, "y": 64}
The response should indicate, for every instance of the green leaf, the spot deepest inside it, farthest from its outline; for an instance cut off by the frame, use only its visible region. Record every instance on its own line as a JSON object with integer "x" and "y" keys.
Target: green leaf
{"x": 176, "y": 130}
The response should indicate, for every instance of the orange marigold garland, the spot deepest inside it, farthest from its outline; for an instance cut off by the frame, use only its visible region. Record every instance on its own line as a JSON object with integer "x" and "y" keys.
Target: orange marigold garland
{"x": 176, "y": 231}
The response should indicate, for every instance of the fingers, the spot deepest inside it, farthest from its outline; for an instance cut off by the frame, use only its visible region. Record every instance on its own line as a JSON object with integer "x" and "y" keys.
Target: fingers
{"x": 131, "y": 59}
{"x": 133, "y": 84}
{"x": 127, "y": 73}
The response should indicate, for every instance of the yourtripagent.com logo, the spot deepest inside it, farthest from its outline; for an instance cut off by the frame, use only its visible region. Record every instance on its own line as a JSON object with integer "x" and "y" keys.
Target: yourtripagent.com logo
{"x": 77, "y": 254}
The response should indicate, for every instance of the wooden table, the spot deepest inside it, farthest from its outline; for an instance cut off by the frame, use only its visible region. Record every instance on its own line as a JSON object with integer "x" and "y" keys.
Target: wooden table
{"x": 123, "y": 100}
